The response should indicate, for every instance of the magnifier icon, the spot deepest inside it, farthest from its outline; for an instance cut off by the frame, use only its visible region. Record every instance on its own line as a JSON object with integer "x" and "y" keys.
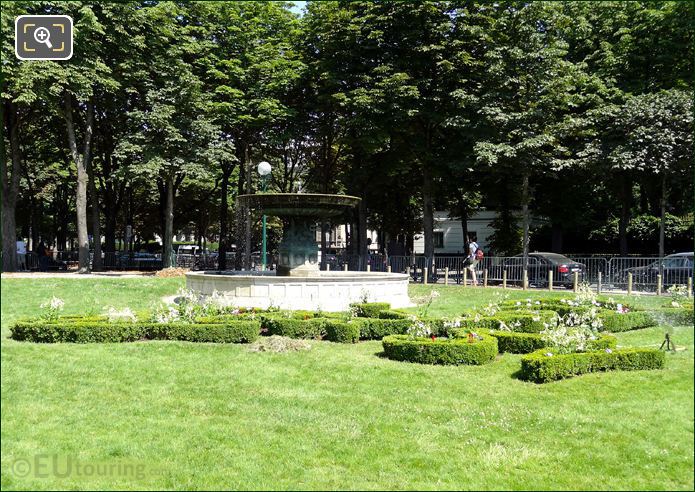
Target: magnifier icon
{"x": 43, "y": 35}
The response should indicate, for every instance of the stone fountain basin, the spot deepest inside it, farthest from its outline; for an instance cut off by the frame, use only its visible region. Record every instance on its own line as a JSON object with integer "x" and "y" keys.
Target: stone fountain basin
{"x": 328, "y": 291}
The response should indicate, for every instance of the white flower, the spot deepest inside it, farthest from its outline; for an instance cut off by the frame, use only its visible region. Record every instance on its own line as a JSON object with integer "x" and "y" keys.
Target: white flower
{"x": 548, "y": 354}
{"x": 609, "y": 351}
{"x": 54, "y": 304}
{"x": 124, "y": 315}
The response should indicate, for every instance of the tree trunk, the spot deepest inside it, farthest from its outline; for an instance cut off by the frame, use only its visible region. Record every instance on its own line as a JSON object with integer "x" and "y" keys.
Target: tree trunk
{"x": 168, "y": 240}
{"x": 524, "y": 209}
{"x": 80, "y": 163}
{"x": 247, "y": 219}
{"x": 362, "y": 234}
{"x": 624, "y": 194}
{"x": 96, "y": 227}
{"x": 662, "y": 223}
{"x": 10, "y": 189}
{"x": 556, "y": 246}
{"x": 427, "y": 213}
{"x": 224, "y": 212}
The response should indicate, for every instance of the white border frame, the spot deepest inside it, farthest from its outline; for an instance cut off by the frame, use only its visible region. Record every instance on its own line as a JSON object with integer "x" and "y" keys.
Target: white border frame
{"x": 72, "y": 37}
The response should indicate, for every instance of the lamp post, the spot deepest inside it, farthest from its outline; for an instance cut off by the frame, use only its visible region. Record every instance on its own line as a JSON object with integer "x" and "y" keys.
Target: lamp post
{"x": 264, "y": 169}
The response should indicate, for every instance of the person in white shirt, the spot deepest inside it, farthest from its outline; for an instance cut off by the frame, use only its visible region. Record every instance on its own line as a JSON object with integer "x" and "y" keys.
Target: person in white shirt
{"x": 471, "y": 261}
{"x": 21, "y": 255}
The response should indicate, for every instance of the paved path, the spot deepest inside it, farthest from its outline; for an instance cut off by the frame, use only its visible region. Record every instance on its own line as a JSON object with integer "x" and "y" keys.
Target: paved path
{"x": 40, "y": 275}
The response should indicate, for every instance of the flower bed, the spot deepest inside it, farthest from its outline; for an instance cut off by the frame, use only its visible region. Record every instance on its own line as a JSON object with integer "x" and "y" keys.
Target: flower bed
{"x": 518, "y": 321}
{"x": 543, "y": 365}
{"x": 454, "y": 351}
{"x": 524, "y": 343}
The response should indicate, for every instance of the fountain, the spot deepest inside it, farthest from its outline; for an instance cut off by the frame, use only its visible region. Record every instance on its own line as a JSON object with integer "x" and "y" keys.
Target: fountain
{"x": 297, "y": 282}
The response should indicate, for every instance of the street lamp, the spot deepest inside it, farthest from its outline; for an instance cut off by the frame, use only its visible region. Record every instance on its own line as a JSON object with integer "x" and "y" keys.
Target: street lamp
{"x": 264, "y": 169}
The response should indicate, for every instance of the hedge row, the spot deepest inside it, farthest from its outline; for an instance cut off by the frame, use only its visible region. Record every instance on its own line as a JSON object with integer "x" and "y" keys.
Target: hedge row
{"x": 454, "y": 351}
{"x": 518, "y": 321}
{"x": 393, "y": 314}
{"x": 295, "y": 328}
{"x": 524, "y": 343}
{"x": 541, "y": 368}
{"x": 103, "y": 332}
{"x": 683, "y": 316}
{"x": 369, "y": 309}
{"x": 633, "y": 320}
{"x": 342, "y": 331}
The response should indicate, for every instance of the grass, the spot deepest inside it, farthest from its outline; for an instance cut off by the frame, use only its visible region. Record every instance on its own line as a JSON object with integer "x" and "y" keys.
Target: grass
{"x": 174, "y": 415}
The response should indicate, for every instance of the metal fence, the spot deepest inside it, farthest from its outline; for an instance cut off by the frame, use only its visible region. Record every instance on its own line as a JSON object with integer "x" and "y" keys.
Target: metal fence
{"x": 602, "y": 273}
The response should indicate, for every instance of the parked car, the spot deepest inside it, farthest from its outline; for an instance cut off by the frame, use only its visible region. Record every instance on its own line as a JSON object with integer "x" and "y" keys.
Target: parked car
{"x": 539, "y": 264}
{"x": 139, "y": 261}
{"x": 675, "y": 270}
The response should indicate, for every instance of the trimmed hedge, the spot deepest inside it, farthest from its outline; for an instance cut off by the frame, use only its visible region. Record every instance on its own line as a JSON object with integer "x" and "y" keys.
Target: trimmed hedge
{"x": 524, "y": 343}
{"x": 539, "y": 368}
{"x": 376, "y": 329}
{"x": 682, "y": 316}
{"x": 236, "y": 332}
{"x": 342, "y": 331}
{"x": 393, "y": 314}
{"x": 295, "y": 328}
{"x": 369, "y": 309}
{"x": 103, "y": 332}
{"x": 632, "y": 320}
{"x": 519, "y": 321}
{"x": 454, "y": 351}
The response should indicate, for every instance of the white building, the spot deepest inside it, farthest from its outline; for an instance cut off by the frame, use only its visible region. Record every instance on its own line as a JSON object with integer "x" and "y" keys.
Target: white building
{"x": 448, "y": 233}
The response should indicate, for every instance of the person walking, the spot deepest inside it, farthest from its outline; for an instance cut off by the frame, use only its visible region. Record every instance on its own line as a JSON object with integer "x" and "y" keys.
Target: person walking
{"x": 472, "y": 259}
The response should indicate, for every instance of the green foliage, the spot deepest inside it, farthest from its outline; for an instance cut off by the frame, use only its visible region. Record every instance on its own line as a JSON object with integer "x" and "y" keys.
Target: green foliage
{"x": 517, "y": 321}
{"x": 541, "y": 368}
{"x": 342, "y": 331}
{"x": 633, "y": 320}
{"x": 524, "y": 343}
{"x": 85, "y": 331}
{"x": 295, "y": 328}
{"x": 681, "y": 316}
{"x": 393, "y": 314}
{"x": 454, "y": 351}
{"x": 376, "y": 329}
{"x": 369, "y": 309}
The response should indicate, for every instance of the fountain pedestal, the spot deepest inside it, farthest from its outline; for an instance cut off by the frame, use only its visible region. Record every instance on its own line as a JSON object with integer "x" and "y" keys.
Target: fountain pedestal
{"x": 298, "y": 252}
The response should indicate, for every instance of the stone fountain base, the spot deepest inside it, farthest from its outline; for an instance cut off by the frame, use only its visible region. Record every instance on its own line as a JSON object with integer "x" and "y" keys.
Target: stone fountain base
{"x": 328, "y": 291}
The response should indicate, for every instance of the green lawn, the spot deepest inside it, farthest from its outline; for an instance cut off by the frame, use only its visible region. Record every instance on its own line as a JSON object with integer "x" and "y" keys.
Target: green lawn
{"x": 203, "y": 416}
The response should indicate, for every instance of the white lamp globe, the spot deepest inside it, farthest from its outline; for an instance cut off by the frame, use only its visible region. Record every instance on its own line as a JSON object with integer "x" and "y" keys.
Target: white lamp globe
{"x": 264, "y": 168}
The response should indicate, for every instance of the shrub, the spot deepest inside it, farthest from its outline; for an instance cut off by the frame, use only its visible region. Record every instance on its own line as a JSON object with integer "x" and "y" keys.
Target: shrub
{"x": 541, "y": 368}
{"x": 524, "y": 343}
{"x": 295, "y": 328}
{"x": 244, "y": 331}
{"x": 449, "y": 351}
{"x": 57, "y": 331}
{"x": 342, "y": 331}
{"x": 369, "y": 309}
{"x": 101, "y": 332}
{"x": 519, "y": 321}
{"x": 681, "y": 316}
{"x": 376, "y": 329}
{"x": 393, "y": 314}
{"x": 633, "y": 320}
